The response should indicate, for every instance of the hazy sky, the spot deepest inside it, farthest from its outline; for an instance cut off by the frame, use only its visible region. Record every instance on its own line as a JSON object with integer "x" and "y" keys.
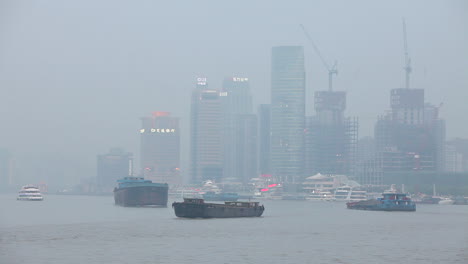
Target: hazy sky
{"x": 76, "y": 76}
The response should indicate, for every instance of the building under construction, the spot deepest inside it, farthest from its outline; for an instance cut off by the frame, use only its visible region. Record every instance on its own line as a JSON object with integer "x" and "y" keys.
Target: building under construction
{"x": 330, "y": 138}
{"x": 411, "y": 136}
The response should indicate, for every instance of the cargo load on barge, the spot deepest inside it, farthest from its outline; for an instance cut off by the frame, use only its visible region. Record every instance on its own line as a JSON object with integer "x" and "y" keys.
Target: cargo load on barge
{"x": 197, "y": 208}
{"x": 136, "y": 191}
{"x": 390, "y": 201}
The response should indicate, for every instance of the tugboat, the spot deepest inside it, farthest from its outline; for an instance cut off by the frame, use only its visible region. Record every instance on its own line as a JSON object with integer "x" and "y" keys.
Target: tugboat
{"x": 136, "y": 191}
{"x": 390, "y": 201}
{"x": 197, "y": 208}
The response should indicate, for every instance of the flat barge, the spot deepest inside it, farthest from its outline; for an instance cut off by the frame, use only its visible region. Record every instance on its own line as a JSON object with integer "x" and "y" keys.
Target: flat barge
{"x": 197, "y": 208}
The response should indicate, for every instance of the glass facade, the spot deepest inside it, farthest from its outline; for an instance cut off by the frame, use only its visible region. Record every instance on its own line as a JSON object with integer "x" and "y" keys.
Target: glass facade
{"x": 287, "y": 112}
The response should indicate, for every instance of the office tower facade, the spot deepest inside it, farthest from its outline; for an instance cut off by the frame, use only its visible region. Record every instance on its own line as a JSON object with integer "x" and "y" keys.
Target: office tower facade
{"x": 456, "y": 155}
{"x": 160, "y": 148}
{"x": 412, "y": 136}
{"x": 331, "y": 138}
{"x": 264, "y": 132}
{"x": 287, "y": 112}
{"x": 237, "y": 111}
{"x": 113, "y": 166}
{"x": 206, "y": 134}
{"x": 246, "y": 138}
{"x": 368, "y": 167}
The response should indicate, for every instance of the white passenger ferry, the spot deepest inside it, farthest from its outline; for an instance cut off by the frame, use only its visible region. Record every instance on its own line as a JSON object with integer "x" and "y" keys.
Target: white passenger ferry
{"x": 30, "y": 193}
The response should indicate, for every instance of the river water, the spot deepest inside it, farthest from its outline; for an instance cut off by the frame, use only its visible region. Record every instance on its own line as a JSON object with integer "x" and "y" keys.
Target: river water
{"x": 91, "y": 229}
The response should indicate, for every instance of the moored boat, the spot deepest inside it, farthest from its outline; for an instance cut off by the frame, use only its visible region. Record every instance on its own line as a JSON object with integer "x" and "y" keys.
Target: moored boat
{"x": 197, "y": 208}
{"x": 29, "y": 193}
{"x": 136, "y": 191}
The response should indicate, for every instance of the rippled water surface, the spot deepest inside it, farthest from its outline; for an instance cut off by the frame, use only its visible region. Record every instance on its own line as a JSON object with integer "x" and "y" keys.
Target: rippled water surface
{"x": 87, "y": 229}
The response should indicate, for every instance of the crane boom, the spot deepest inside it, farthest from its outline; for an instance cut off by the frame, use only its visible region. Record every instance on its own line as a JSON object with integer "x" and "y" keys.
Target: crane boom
{"x": 331, "y": 70}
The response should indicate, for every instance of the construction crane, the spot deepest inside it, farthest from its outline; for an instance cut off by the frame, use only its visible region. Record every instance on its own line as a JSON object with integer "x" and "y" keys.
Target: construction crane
{"x": 407, "y": 58}
{"x": 331, "y": 70}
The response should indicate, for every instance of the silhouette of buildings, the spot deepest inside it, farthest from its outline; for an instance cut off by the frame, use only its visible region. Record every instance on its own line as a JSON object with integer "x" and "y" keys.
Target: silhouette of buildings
{"x": 240, "y": 131}
{"x": 330, "y": 138}
{"x": 113, "y": 166}
{"x": 411, "y": 137}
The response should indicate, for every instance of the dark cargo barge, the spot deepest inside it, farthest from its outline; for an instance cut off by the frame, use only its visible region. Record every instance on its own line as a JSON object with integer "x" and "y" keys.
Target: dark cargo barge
{"x": 197, "y": 208}
{"x": 136, "y": 191}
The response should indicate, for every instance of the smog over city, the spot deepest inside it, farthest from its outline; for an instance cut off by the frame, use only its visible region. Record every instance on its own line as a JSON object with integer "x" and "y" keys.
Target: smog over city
{"x": 294, "y": 107}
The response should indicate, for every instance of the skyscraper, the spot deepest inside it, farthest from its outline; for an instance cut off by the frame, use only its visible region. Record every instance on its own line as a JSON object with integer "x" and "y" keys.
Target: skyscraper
{"x": 264, "y": 132}
{"x": 160, "y": 148}
{"x": 287, "y": 112}
{"x": 239, "y": 130}
{"x": 113, "y": 166}
{"x": 331, "y": 139}
{"x": 206, "y": 134}
{"x": 412, "y": 136}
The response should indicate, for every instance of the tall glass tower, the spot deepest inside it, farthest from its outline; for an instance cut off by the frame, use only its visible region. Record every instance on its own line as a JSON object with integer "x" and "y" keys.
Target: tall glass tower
{"x": 287, "y": 112}
{"x": 206, "y": 134}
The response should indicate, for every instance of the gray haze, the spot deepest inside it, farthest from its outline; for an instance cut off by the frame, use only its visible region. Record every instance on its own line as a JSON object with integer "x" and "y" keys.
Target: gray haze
{"x": 76, "y": 76}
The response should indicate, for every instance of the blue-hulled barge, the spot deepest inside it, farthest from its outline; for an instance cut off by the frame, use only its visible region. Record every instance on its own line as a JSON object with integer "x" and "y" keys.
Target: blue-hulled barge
{"x": 197, "y": 208}
{"x": 136, "y": 191}
{"x": 388, "y": 202}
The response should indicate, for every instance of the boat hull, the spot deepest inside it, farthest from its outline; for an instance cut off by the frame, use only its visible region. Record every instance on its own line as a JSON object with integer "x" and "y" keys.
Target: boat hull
{"x": 141, "y": 196}
{"x": 29, "y": 199}
{"x": 374, "y": 205}
{"x": 210, "y": 210}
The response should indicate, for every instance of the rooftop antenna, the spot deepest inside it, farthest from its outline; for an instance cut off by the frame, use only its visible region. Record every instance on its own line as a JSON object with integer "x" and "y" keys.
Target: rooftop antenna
{"x": 407, "y": 58}
{"x": 331, "y": 70}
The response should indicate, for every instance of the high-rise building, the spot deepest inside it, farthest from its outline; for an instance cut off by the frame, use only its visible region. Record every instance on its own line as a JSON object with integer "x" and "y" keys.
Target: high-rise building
{"x": 237, "y": 111}
{"x": 456, "y": 155}
{"x": 411, "y": 137}
{"x": 331, "y": 139}
{"x": 246, "y": 153}
{"x": 264, "y": 132}
{"x": 206, "y": 134}
{"x": 160, "y": 148}
{"x": 287, "y": 112}
{"x": 113, "y": 166}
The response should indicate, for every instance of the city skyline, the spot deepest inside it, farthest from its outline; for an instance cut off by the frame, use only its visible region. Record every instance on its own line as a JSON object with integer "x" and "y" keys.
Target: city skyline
{"x": 81, "y": 84}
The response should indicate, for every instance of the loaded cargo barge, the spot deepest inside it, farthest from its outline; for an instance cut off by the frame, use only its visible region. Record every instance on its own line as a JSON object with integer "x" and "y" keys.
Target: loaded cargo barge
{"x": 197, "y": 208}
{"x": 136, "y": 191}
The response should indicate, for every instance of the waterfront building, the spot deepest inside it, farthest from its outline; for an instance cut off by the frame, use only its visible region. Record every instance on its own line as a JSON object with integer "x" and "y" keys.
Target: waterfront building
{"x": 287, "y": 112}
{"x": 160, "y": 148}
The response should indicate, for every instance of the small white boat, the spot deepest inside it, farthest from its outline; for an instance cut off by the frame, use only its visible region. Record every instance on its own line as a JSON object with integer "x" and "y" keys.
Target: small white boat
{"x": 446, "y": 201}
{"x": 30, "y": 193}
